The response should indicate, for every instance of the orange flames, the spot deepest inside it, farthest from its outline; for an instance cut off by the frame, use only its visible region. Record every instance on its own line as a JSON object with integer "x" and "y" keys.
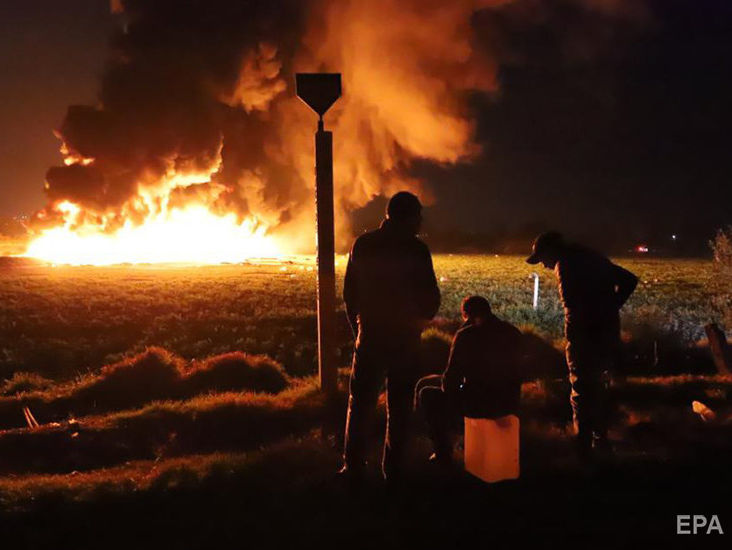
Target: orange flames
{"x": 132, "y": 189}
{"x": 190, "y": 233}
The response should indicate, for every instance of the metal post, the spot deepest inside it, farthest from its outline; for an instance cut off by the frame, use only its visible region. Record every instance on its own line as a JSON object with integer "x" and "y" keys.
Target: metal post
{"x": 319, "y": 91}
{"x": 327, "y": 367}
{"x": 535, "y": 303}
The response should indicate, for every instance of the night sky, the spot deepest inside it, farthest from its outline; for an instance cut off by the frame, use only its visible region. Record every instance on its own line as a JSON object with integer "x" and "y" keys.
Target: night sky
{"x": 614, "y": 129}
{"x": 51, "y": 55}
{"x": 629, "y": 144}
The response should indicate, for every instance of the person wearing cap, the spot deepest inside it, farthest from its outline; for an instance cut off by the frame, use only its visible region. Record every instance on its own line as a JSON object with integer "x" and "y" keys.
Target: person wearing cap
{"x": 482, "y": 378}
{"x": 592, "y": 290}
{"x": 390, "y": 292}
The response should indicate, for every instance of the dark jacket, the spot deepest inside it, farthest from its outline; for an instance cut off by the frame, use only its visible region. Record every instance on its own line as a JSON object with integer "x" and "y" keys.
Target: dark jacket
{"x": 390, "y": 284}
{"x": 484, "y": 369}
{"x": 592, "y": 289}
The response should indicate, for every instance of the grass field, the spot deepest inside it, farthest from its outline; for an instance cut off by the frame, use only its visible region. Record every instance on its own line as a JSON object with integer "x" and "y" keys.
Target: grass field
{"x": 156, "y": 431}
{"x": 64, "y": 321}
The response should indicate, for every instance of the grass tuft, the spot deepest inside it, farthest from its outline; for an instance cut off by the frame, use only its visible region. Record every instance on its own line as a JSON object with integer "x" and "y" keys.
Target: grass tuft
{"x": 236, "y": 370}
{"x": 25, "y": 382}
{"x": 154, "y": 375}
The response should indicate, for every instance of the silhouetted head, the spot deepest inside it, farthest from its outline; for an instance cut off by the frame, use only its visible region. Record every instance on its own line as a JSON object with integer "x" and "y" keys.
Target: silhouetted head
{"x": 405, "y": 210}
{"x": 546, "y": 249}
{"x": 475, "y": 309}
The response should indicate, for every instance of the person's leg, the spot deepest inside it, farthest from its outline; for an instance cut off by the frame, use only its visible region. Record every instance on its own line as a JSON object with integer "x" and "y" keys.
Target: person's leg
{"x": 603, "y": 409}
{"x": 364, "y": 388}
{"x": 605, "y": 357}
{"x": 402, "y": 376}
{"x": 581, "y": 397}
{"x": 433, "y": 404}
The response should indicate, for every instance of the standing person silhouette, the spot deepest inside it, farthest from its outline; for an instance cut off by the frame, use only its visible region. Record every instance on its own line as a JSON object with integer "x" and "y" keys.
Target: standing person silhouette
{"x": 390, "y": 292}
{"x": 592, "y": 290}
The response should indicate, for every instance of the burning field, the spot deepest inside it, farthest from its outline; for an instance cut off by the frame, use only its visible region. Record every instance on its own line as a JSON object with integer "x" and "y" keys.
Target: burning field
{"x": 198, "y": 150}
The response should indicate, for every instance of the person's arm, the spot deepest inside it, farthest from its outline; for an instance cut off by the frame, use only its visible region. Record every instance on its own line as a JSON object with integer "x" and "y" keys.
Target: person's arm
{"x": 568, "y": 277}
{"x": 427, "y": 289}
{"x": 625, "y": 283}
{"x": 455, "y": 372}
{"x": 350, "y": 293}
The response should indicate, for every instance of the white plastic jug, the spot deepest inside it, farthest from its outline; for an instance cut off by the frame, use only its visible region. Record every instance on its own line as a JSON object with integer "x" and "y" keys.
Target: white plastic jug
{"x": 492, "y": 447}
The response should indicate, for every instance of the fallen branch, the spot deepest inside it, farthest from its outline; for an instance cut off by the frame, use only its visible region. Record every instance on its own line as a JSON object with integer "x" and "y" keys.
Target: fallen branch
{"x": 30, "y": 419}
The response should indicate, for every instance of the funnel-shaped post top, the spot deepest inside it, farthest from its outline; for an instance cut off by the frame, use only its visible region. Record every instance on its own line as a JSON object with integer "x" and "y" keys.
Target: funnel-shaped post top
{"x": 318, "y": 90}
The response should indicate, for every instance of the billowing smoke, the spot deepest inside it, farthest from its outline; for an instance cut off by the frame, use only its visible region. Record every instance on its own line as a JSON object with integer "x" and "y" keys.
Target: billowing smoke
{"x": 197, "y": 104}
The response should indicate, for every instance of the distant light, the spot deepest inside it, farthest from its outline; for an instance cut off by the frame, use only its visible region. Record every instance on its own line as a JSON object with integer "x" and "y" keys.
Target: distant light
{"x": 642, "y": 248}
{"x": 673, "y": 237}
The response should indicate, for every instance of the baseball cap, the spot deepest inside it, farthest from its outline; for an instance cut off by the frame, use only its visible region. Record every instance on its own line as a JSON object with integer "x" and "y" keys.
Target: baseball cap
{"x": 542, "y": 243}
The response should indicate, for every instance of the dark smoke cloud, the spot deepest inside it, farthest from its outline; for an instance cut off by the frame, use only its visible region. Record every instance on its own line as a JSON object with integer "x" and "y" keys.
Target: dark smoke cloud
{"x": 205, "y": 87}
{"x": 199, "y": 87}
{"x": 161, "y": 104}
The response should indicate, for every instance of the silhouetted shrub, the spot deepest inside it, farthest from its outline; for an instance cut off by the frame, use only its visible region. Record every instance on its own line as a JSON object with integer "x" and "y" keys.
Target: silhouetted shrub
{"x": 154, "y": 375}
{"x": 24, "y": 381}
{"x": 236, "y": 371}
{"x": 150, "y": 375}
{"x": 650, "y": 348}
{"x": 434, "y": 351}
{"x": 722, "y": 248}
{"x": 541, "y": 358}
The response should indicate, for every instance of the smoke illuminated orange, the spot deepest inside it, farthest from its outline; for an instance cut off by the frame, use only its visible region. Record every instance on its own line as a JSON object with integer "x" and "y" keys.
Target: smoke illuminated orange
{"x": 144, "y": 177}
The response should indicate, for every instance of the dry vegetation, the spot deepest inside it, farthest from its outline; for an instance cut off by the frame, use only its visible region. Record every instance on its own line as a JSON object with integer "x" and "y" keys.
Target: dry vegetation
{"x": 722, "y": 248}
{"x": 160, "y": 388}
{"x": 153, "y": 375}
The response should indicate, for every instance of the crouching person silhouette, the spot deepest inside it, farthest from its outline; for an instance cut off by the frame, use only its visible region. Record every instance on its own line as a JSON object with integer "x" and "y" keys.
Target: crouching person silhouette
{"x": 390, "y": 292}
{"x": 482, "y": 378}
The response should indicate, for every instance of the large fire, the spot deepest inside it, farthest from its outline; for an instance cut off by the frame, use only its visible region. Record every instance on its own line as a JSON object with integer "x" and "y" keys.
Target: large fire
{"x": 191, "y": 234}
{"x": 198, "y": 151}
